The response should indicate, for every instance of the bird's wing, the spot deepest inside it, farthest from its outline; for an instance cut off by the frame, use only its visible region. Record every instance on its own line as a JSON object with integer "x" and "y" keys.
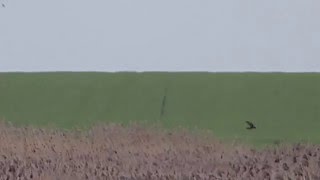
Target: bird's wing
{"x": 249, "y": 123}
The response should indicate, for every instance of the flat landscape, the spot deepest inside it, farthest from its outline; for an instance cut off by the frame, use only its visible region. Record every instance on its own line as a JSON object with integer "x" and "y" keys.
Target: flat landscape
{"x": 285, "y": 107}
{"x": 159, "y": 125}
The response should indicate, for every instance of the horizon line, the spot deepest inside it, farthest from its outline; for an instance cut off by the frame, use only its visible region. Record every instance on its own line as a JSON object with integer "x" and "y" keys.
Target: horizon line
{"x": 160, "y": 72}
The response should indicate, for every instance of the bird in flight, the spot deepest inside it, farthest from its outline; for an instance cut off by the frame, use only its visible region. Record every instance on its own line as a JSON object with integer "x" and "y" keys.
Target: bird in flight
{"x": 3, "y": 5}
{"x": 250, "y": 125}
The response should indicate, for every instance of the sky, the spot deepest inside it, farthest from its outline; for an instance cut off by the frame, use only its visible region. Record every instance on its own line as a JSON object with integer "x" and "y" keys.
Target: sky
{"x": 160, "y": 35}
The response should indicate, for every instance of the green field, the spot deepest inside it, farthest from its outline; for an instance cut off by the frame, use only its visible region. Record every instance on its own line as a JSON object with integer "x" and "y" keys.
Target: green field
{"x": 284, "y": 106}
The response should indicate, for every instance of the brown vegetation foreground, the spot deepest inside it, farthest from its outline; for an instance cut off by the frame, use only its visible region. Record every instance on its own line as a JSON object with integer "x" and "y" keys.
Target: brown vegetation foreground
{"x": 116, "y": 152}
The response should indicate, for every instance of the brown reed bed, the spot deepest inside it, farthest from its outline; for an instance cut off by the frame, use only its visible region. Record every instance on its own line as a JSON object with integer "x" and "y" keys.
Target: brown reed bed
{"x": 136, "y": 152}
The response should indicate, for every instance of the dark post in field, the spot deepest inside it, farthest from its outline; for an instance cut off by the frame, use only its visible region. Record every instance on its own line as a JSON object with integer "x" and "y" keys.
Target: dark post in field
{"x": 163, "y": 104}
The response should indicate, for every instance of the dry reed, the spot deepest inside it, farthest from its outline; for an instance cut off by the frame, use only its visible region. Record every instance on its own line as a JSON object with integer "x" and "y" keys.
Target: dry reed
{"x": 117, "y": 152}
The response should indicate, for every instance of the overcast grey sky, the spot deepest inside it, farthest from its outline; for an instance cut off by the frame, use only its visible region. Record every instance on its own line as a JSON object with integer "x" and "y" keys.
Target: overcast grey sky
{"x": 160, "y": 35}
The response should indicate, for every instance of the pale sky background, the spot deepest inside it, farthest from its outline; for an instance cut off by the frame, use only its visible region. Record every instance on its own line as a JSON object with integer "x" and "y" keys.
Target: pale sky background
{"x": 160, "y": 35}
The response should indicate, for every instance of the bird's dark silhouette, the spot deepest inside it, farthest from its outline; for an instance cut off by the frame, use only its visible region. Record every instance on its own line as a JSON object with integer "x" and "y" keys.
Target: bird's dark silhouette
{"x": 3, "y": 5}
{"x": 250, "y": 125}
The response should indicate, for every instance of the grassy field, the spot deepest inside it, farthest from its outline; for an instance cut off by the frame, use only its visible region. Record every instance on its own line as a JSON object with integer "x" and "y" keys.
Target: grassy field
{"x": 283, "y": 106}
